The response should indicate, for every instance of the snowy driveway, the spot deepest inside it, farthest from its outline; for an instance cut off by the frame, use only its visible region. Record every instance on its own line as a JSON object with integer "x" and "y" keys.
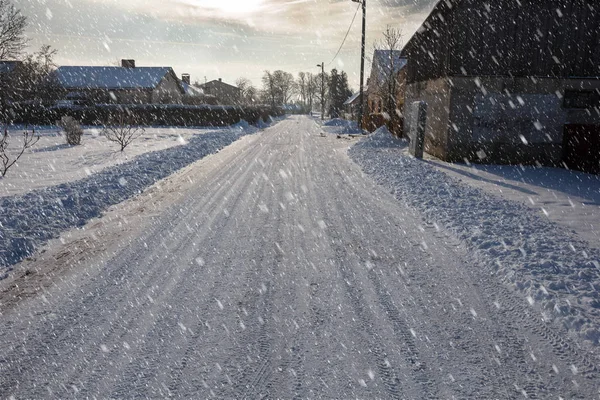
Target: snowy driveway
{"x": 274, "y": 269}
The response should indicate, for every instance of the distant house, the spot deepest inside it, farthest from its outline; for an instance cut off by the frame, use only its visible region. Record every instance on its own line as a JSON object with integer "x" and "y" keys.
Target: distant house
{"x": 225, "y": 93}
{"x": 7, "y": 67}
{"x": 127, "y": 84}
{"x": 352, "y": 105}
{"x": 509, "y": 81}
{"x": 9, "y": 71}
{"x": 388, "y": 75}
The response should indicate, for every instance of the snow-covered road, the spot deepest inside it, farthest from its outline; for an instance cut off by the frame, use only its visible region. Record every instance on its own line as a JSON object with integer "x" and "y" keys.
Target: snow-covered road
{"x": 274, "y": 269}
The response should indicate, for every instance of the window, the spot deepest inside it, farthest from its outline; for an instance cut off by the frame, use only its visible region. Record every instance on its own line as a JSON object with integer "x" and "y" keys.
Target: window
{"x": 581, "y": 99}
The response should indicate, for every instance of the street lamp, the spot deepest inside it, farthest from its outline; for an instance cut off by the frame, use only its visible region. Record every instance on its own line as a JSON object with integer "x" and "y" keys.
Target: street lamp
{"x": 362, "y": 61}
{"x": 322, "y": 66}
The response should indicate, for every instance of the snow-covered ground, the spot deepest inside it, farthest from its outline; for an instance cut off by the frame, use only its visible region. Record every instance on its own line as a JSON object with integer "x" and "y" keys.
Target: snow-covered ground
{"x": 52, "y": 162}
{"x": 535, "y": 252}
{"x": 57, "y": 187}
{"x": 569, "y": 198}
{"x": 278, "y": 269}
{"x": 338, "y": 126}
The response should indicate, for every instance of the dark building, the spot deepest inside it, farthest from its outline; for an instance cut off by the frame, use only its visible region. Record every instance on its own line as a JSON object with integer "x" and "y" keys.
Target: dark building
{"x": 388, "y": 74}
{"x": 510, "y": 81}
{"x": 127, "y": 84}
{"x": 9, "y": 76}
{"x": 225, "y": 93}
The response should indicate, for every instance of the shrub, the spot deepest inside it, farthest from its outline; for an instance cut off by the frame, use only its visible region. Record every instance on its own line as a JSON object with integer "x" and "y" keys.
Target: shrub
{"x": 73, "y": 131}
{"x": 121, "y": 130}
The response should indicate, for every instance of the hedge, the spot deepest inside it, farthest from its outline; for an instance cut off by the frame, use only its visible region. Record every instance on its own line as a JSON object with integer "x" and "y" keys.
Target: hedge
{"x": 144, "y": 114}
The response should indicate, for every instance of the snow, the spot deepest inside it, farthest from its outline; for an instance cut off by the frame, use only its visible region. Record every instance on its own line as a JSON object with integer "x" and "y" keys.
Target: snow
{"x": 341, "y": 127}
{"x": 52, "y": 162}
{"x": 353, "y": 97}
{"x": 191, "y": 90}
{"x": 90, "y": 77}
{"x": 57, "y": 187}
{"x": 189, "y": 290}
{"x": 550, "y": 265}
{"x": 569, "y": 198}
{"x": 382, "y": 62}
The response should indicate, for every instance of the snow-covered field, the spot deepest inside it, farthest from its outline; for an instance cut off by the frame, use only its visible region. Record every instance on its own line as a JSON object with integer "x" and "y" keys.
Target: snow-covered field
{"x": 557, "y": 272}
{"x": 52, "y": 162}
{"x": 56, "y": 187}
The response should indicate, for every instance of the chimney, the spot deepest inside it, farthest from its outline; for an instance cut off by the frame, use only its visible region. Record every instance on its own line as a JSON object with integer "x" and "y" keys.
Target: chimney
{"x": 128, "y": 63}
{"x": 185, "y": 78}
{"x": 220, "y": 80}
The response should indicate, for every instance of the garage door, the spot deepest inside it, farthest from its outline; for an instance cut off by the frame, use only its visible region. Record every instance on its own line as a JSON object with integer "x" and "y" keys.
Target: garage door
{"x": 582, "y": 148}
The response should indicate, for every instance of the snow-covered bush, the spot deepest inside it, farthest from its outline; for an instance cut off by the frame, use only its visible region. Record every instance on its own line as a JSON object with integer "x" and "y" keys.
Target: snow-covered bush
{"x": 121, "y": 130}
{"x": 73, "y": 131}
{"x": 6, "y": 159}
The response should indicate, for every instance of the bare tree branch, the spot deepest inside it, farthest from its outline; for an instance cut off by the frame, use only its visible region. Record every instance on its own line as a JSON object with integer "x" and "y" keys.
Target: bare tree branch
{"x": 6, "y": 161}
{"x": 12, "y": 30}
{"x": 122, "y": 131}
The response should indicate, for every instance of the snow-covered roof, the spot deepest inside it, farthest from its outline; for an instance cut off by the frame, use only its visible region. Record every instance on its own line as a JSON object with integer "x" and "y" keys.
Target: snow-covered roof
{"x": 191, "y": 90}
{"x": 218, "y": 82}
{"x": 382, "y": 63}
{"x": 352, "y": 98}
{"x": 8, "y": 66}
{"x": 111, "y": 77}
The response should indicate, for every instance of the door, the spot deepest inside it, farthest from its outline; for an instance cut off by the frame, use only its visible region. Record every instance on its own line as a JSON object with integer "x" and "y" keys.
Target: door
{"x": 581, "y": 148}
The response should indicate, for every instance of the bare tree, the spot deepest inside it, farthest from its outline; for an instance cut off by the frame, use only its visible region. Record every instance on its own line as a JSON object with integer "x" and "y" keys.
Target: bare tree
{"x": 247, "y": 90}
{"x": 302, "y": 87}
{"x": 252, "y": 95}
{"x": 322, "y": 88}
{"x": 6, "y": 160}
{"x": 12, "y": 30}
{"x": 122, "y": 131}
{"x": 388, "y": 85}
{"x": 278, "y": 87}
{"x": 285, "y": 84}
{"x": 312, "y": 88}
{"x": 269, "y": 91}
{"x": 34, "y": 80}
{"x": 12, "y": 43}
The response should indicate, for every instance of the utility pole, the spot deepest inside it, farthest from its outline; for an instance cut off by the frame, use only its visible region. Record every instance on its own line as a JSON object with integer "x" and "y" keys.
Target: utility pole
{"x": 322, "y": 65}
{"x": 362, "y": 62}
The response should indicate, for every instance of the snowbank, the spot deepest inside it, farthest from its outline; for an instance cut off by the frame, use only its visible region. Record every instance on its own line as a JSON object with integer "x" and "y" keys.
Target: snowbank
{"x": 557, "y": 273}
{"x": 341, "y": 127}
{"x": 382, "y": 138}
{"x": 28, "y": 221}
{"x": 336, "y": 122}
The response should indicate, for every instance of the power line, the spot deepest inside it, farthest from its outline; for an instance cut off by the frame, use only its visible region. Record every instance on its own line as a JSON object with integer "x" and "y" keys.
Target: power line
{"x": 345, "y": 37}
{"x": 341, "y": 45}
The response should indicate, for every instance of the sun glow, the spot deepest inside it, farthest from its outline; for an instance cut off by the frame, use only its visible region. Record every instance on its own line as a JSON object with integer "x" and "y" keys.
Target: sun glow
{"x": 231, "y": 6}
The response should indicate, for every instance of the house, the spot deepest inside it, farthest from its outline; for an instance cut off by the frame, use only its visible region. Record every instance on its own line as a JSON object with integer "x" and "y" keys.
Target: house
{"x": 388, "y": 76}
{"x": 352, "y": 105}
{"x": 509, "y": 81}
{"x": 9, "y": 75}
{"x": 8, "y": 67}
{"x": 225, "y": 93}
{"x": 127, "y": 84}
{"x": 193, "y": 94}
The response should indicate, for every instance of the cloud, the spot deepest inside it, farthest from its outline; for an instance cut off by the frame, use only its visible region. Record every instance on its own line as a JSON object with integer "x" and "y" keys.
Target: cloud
{"x": 279, "y": 17}
{"x": 203, "y": 37}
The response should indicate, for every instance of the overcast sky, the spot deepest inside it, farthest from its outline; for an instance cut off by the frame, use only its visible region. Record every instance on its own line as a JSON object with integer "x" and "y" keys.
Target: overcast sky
{"x": 216, "y": 38}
